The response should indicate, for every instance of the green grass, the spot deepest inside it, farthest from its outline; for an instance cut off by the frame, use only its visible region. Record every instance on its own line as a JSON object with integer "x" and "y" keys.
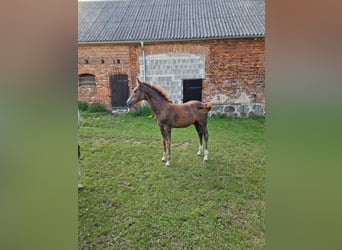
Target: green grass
{"x": 131, "y": 200}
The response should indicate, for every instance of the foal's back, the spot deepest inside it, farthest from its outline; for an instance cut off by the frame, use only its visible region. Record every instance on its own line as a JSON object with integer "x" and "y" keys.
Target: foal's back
{"x": 183, "y": 115}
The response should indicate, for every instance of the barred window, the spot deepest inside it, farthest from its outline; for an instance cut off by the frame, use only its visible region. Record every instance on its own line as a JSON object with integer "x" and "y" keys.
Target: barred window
{"x": 86, "y": 79}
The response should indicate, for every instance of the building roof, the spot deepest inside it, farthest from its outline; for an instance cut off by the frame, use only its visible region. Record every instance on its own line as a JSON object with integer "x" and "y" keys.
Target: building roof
{"x": 169, "y": 20}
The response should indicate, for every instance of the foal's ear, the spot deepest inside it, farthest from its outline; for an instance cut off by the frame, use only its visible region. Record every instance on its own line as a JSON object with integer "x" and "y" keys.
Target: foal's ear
{"x": 139, "y": 82}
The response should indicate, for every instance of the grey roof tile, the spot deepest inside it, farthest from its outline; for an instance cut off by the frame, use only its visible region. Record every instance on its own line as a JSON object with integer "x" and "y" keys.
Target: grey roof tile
{"x": 153, "y": 20}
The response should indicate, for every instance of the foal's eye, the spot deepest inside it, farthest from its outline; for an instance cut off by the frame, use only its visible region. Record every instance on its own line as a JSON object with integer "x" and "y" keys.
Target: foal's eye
{"x": 134, "y": 91}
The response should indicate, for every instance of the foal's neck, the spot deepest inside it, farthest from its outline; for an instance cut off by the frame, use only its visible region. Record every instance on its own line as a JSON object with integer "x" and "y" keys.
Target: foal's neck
{"x": 157, "y": 102}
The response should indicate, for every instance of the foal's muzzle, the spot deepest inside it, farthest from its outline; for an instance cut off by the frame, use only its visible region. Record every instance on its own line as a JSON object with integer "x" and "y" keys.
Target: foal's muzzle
{"x": 129, "y": 102}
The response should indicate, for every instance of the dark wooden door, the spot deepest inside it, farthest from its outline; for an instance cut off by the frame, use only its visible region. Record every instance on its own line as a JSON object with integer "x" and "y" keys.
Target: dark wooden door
{"x": 192, "y": 90}
{"x": 119, "y": 90}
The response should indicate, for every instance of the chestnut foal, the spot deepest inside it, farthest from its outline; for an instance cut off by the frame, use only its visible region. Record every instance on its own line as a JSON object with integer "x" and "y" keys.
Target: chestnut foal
{"x": 169, "y": 115}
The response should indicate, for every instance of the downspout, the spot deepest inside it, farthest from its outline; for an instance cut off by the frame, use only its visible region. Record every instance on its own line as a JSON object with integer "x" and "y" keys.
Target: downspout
{"x": 144, "y": 103}
{"x": 143, "y": 59}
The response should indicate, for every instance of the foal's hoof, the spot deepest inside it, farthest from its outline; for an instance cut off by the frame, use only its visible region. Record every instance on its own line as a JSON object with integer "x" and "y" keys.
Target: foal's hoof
{"x": 167, "y": 164}
{"x": 163, "y": 159}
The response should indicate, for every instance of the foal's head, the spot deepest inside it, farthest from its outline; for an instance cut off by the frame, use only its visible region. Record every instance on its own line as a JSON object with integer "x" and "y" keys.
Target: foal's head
{"x": 146, "y": 91}
{"x": 137, "y": 94}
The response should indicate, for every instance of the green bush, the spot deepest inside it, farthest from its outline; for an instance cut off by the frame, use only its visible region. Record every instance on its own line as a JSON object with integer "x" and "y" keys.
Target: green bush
{"x": 220, "y": 116}
{"x": 144, "y": 110}
{"x": 83, "y": 106}
{"x": 97, "y": 107}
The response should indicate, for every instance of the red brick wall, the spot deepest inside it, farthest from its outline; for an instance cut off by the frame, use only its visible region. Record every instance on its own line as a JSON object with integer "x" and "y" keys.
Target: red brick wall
{"x": 94, "y": 54}
{"x": 232, "y": 66}
{"x": 236, "y": 64}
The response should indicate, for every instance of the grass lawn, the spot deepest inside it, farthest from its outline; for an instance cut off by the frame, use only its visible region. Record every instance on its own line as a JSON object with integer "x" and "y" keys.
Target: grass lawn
{"x": 131, "y": 200}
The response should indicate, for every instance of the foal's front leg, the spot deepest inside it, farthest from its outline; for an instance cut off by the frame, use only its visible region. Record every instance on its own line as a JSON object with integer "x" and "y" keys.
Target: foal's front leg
{"x": 168, "y": 146}
{"x": 163, "y": 140}
{"x": 166, "y": 134}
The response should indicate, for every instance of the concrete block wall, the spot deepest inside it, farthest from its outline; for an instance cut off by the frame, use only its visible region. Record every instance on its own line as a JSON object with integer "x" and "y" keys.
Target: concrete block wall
{"x": 169, "y": 69}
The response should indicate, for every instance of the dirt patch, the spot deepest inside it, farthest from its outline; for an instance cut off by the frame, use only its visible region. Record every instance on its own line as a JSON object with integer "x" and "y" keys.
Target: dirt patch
{"x": 181, "y": 145}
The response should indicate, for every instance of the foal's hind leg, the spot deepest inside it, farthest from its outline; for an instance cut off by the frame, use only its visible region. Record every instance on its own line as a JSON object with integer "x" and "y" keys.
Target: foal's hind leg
{"x": 200, "y": 135}
{"x": 206, "y": 137}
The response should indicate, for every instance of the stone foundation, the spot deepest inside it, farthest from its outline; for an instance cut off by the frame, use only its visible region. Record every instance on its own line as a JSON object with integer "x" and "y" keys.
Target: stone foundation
{"x": 238, "y": 110}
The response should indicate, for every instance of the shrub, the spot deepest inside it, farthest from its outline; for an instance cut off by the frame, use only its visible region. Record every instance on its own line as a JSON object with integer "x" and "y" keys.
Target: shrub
{"x": 144, "y": 110}
{"x": 83, "y": 106}
{"x": 97, "y": 107}
{"x": 220, "y": 116}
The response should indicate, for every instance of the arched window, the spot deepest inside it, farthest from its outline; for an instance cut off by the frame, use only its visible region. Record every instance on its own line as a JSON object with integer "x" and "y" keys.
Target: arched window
{"x": 86, "y": 79}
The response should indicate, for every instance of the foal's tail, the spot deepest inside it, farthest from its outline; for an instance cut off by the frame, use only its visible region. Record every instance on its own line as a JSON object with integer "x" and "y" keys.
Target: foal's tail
{"x": 205, "y": 108}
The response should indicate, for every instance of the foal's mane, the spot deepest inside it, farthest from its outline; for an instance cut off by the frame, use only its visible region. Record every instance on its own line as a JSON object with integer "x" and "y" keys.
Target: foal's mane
{"x": 163, "y": 92}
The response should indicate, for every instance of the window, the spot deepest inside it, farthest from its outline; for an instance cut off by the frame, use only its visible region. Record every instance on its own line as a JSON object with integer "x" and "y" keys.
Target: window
{"x": 86, "y": 79}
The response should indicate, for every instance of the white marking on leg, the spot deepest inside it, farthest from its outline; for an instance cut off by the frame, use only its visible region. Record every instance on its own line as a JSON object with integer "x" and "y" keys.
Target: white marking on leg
{"x": 167, "y": 164}
{"x": 163, "y": 158}
{"x": 200, "y": 148}
{"x": 206, "y": 154}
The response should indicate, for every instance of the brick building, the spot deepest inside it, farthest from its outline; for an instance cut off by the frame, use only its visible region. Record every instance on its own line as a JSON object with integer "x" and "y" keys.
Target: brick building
{"x": 196, "y": 49}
